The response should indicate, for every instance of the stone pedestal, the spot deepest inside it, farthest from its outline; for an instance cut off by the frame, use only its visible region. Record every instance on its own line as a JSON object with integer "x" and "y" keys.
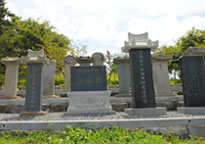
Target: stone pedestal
{"x": 147, "y": 112}
{"x": 98, "y": 59}
{"x": 192, "y": 110}
{"x": 48, "y": 78}
{"x": 123, "y": 70}
{"x": 69, "y": 61}
{"x": 33, "y": 85}
{"x": 160, "y": 75}
{"x": 11, "y": 78}
{"x": 89, "y": 103}
{"x": 193, "y": 80}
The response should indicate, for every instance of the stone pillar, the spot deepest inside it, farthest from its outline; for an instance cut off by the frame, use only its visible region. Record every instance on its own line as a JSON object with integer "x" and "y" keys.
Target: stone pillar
{"x": 193, "y": 81}
{"x": 143, "y": 98}
{"x": 98, "y": 59}
{"x": 84, "y": 61}
{"x": 161, "y": 75}
{"x": 69, "y": 61}
{"x": 33, "y": 84}
{"x": 11, "y": 78}
{"x": 123, "y": 70}
{"x": 48, "y": 78}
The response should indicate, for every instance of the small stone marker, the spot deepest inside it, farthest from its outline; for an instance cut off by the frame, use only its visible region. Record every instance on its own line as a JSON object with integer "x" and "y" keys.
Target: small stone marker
{"x": 84, "y": 60}
{"x": 123, "y": 70}
{"x": 139, "y": 47}
{"x": 193, "y": 81}
{"x": 69, "y": 61}
{"x": 48, "y": 78}
{"x": 88, "y": 78}
{"x": 33, "y": 84}
{"x": 11, "y": 77}
{"x": 98, "y": 59}
{"x": 160, "y": 75}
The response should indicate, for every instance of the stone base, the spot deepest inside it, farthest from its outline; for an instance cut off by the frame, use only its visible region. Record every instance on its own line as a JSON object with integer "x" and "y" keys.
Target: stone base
{"x": 192, "y": 110}
{"x": 89, "y": 103}
{"x": 147, "y": 112}
{"x": 123, "y": 95}
{"x": 9, "y": 97}
{"x": 49, "y": 96}
{"x": 34, "y": 113}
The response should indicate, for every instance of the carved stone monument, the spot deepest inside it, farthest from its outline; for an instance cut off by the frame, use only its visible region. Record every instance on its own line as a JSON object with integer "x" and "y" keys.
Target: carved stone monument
{"x": 123, "y": 70}
{"x": 48, "y": 80}
{"x": 69, "y": 61}
{"x": 160, "y": 75}
{"x": 193, "y": 79}
{"x": 35, "y": 61}
{"x": 11, "y": 77}
{"x": 84, "y": 60}
{"x": 98, "y": 59}
{"x": 139, "y": 47}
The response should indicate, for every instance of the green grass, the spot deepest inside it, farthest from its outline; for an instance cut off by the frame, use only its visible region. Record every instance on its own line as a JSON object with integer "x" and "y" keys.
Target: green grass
{"x": 115, "y": 135}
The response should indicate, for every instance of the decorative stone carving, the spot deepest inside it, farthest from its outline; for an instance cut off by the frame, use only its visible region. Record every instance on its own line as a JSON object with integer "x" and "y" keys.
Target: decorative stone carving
{"x": 194, "y": 51}
{"x": 98, "y": 59}
{"x": 84, "y": 60}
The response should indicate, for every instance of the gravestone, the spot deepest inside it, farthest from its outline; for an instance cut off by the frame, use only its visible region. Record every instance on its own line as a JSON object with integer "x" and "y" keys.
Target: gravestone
{"x": 88, "y": 78}
{"x": 88, "y": 95}
{"x": 123, "y": 70}
{"x": 143, "y": 96}
{"x": 193, "y": 81}
{"x": 48, "y": 80}
{"x": 69, "y": 61}
{"x": 98, "y": 59}
{"x": 160, "y": 75}
{"x": 33, "y": 84}
{"x": 11, "y": 77}
{"x": 84, "y": 60}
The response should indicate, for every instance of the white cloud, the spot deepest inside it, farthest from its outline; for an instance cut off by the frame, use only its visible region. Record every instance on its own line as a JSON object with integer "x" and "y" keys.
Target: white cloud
{"x": 103, "y": 25}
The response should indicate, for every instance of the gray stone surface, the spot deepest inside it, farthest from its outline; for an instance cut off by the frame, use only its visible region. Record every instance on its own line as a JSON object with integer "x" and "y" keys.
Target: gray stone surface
{"x": 88, "y": 78}
{"x": 193, "y": 79}
{"x": 89, "y": 102}
{"x": 84, "y": 60}
{"x": 192, "y": 110}
{"x": 98, "y": 59}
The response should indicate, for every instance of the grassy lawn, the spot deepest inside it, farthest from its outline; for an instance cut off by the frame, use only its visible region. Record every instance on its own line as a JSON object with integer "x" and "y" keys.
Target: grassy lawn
{"x": 115, "y": 135}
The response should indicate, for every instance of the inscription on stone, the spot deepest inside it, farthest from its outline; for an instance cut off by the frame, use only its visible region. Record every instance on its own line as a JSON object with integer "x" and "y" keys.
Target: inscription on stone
{"x": 33, "y": 87}
{"x": 142, "y": 84}
{"x": 193, "y": 79}
{"x": 88, "y": 78}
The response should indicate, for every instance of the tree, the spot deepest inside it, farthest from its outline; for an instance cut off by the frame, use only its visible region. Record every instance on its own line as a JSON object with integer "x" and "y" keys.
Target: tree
{"x": 22, "y": 35}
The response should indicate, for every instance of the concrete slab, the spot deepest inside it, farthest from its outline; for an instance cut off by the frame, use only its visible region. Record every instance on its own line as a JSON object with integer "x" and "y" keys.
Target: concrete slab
{"x": 192, "y": 110}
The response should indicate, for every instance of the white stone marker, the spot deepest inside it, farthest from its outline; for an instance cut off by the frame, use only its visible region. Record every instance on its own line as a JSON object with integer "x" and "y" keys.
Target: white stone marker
{"x": 11, "y": 78}
{"x": 48, "y": 79}
{"x": 98, "y": 59}
{"x": 160, "y": 75}
{"x": 69, "y": 61}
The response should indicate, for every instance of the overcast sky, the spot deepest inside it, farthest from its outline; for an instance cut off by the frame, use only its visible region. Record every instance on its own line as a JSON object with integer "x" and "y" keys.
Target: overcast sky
{"x": 104, "y": 24}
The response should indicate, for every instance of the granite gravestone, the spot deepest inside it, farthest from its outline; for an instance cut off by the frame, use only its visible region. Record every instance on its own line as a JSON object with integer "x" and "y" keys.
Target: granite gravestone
{"x": 88, "y": 78}
{"x": 193, "y": 79}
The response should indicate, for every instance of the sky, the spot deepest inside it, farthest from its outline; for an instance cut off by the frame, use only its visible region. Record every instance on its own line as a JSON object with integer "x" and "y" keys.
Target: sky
{"x": 103, "y": 25}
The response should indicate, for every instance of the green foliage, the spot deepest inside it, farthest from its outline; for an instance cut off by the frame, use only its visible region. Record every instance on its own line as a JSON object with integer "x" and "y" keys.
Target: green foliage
{"x": 59, "y": 80}
{"x": 175, "y": 81}
{"x": 114, "y": 135}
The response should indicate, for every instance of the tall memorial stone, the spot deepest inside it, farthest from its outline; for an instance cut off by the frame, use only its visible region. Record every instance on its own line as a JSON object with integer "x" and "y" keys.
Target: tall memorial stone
{"x": 89, "y": 95}
{"x": 11, "y": 77}
{"x": 160, "y": 75}
{"x": 193, "y": 81}
{"x": 143, "y": 102}
{"x": 48, "y": 80}
{"x": 123, "y": 70}
{"x": 69, "y": 62}
{"x": 35, "y": 61}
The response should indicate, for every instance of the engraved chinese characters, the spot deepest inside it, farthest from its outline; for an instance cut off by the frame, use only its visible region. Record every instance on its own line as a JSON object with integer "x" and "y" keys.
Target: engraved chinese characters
{"x": 141, "y": 72}
{"x": 88, "y": 78}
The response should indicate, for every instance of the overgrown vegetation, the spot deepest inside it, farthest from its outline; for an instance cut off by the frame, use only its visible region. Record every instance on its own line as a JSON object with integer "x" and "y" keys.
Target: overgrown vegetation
{"x": 114, "y": 135}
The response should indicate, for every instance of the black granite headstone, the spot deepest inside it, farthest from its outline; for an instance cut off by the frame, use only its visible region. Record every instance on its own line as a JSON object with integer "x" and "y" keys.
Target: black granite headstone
{"x": 33, "y": 87}
{"x": 88, "y": 78}
{"x": 142, "y": 81}
{"x": 193, "y": 79}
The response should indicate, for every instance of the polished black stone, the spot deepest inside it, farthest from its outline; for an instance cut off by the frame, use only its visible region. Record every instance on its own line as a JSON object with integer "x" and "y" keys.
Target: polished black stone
{"x": 142, "y": 80}
{"x": 193, "y": 79}
{"x": 33, "y": 87}
{"x": 88, "y": 78}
